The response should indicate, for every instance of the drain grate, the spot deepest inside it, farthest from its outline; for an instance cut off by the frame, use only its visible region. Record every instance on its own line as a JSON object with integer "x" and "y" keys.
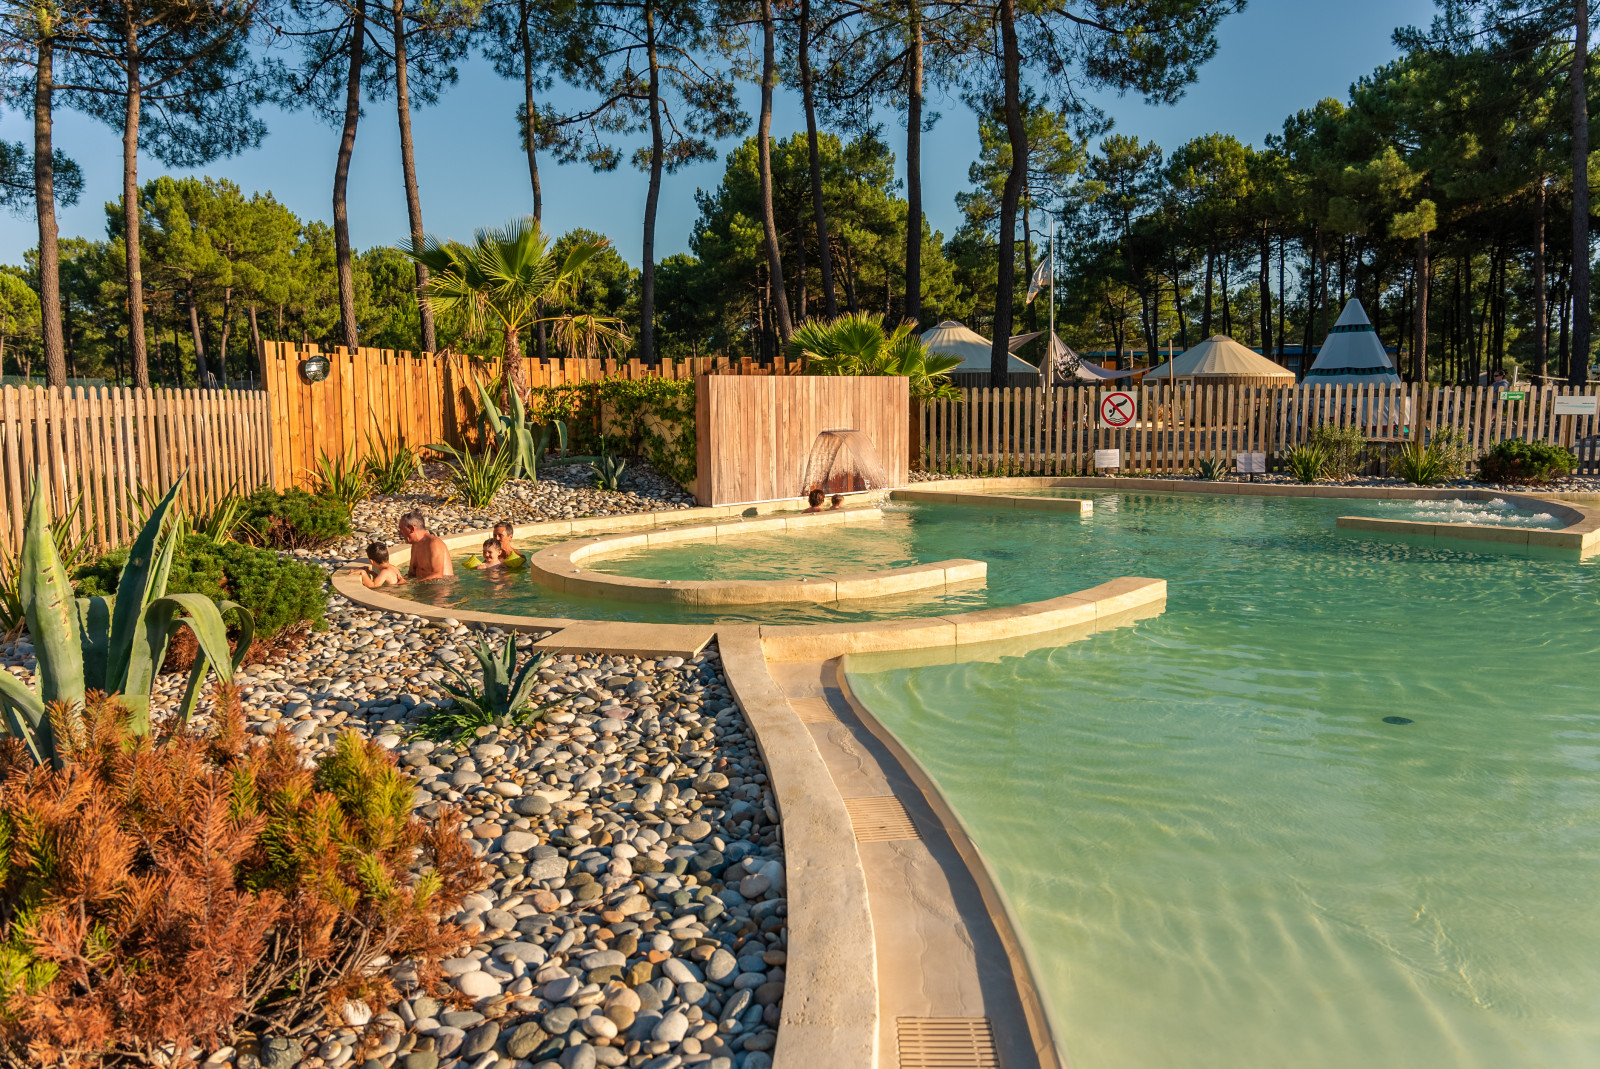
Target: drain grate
{"x": 814, "y": 710}
{"x": 880, "y": 819}
{"x": 946, "y": 1043}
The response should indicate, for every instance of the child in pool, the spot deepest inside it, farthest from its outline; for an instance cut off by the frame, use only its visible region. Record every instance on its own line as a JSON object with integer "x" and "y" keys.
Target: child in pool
{"x": 836, "y": 503}
{"x": 379, "y": 572}
{"x": 494, "y": 558}
{"x": 815, "y": 499}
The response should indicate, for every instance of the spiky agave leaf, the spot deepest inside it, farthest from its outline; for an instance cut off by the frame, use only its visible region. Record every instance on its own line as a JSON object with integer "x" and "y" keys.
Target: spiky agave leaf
{"x": 209, "y": 652}
{"x": 144, "y": 578}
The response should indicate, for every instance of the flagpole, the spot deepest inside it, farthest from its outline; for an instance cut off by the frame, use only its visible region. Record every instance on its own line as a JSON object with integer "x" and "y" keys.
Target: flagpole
{"x": 1050, "y": 342}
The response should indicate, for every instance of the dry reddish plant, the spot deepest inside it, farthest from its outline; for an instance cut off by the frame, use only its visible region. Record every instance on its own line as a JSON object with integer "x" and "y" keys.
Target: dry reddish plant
{"x": 170, "y": 891}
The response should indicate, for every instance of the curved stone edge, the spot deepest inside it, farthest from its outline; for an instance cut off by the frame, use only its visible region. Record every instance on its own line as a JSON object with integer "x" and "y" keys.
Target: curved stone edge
{"x": 830, "y": 998}
{"x": 822, "y": 642}
{"x": 559, "y": 567}
{"x": 1582, "y": 531}
{"x": 1042, "y": 1033}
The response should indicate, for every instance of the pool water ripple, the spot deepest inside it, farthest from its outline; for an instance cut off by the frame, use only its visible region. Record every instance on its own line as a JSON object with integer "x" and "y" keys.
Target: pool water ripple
{"x": 1218, "y": 851}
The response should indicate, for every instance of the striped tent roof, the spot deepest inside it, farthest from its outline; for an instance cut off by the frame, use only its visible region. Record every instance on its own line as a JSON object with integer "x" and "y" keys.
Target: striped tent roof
{"x": 1352, "y": 351}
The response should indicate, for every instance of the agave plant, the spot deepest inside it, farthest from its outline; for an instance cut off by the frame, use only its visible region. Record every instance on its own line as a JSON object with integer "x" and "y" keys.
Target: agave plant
{"x": 1210, "y": 468}
{"x": 856, "y": 344}
{"x": 1420, "y": 464}
{"x": 1306, "y": 462}
{"x": 69, "y": 548}
{"x": 511, "y": 429}
{"x": 608, "y": 470}
{"x": 505, "y": 698}
{"x": 342, "y": 479}
{"x": 112, "y": 644}
{"x": 478, "y": 477}
{"x": 390, "y": 467}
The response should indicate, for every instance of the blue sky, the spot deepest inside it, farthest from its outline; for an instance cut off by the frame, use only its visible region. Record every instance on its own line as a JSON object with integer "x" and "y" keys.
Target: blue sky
{"x": 1276, "y": 57}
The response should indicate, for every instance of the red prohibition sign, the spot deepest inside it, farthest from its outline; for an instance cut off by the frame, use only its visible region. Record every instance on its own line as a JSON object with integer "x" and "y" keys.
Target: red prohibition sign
{"x": 1117, "y": 409}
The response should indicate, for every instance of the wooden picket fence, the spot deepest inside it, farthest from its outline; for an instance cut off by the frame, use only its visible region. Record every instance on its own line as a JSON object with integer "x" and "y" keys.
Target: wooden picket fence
{"x": 104, "y": 448}
{"x": 1058, "y": 431}
{"x": 377, "y": 396}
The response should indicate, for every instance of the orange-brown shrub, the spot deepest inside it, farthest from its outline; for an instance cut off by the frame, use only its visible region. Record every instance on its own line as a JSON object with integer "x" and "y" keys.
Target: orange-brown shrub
{"x": 170, "y": 891}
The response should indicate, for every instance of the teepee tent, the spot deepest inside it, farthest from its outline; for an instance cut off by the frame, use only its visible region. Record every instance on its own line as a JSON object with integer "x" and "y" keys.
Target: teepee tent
{"x": 1220, "y": 359}
{"x": 1065, "y": 357}
{"x": 1352, "y": 351}
{"x": 953, "y": 339}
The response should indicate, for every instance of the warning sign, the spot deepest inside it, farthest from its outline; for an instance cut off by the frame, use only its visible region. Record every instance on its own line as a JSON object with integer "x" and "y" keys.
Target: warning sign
{"x": 1118, "y": 408}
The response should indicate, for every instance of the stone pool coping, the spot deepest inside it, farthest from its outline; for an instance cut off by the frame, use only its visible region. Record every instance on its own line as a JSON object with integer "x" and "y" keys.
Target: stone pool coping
{"x": 560, "y": 567}
{"x": 1581, "y": 532}
{"x": 1080, "y": 506}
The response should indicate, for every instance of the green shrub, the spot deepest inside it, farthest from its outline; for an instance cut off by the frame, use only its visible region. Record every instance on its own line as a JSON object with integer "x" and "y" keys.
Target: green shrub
{"x": 1517, "y": 461}
{"x": 1211, "y": 468}
{"x": 281, "y": 592}
{"x": 293, "y": 519}
{"x": 342, "y": 478}
{"x": 1454, "y": 451}
{"x": 651, "y": 417}
{"x": 1306, "y": 462}
{"x": 1344, "y": 449}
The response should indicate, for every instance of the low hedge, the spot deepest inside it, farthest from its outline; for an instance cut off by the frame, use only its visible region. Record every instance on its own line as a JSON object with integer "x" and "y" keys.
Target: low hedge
{"x": 282, "y": 593}
{"x": 294, "y": 519}
{"x": 1517, "y": 461}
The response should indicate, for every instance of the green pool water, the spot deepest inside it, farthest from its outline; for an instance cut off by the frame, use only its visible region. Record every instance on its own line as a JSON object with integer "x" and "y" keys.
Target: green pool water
{"x": 1219, "y": 853}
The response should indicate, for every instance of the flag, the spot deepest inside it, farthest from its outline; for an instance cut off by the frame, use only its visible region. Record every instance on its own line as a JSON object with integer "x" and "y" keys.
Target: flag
{"x": 1041, "y": 277}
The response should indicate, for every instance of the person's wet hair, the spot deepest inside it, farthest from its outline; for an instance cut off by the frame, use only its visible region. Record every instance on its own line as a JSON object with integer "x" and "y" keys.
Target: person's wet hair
{"x": 378, "y": 552}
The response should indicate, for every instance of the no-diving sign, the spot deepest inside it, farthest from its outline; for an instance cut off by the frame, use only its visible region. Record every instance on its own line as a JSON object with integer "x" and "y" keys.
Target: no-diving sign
{"x": 1117, "y": 408}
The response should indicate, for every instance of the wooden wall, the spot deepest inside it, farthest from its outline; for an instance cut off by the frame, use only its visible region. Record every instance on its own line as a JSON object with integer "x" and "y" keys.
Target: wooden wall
{"x": 107, "y": 444}
{"x": 753, "y": 433}
{"x": 419, "y": 398}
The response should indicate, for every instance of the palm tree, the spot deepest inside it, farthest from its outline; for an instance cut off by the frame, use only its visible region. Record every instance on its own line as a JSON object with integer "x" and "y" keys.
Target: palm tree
{"x": 856, "y": 344}
{"x": 505, "y": 278}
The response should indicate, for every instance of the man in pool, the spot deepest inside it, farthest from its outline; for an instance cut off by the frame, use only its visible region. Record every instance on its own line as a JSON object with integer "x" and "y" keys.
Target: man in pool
{"x": 502, "y": 538}
{"x": 815, "y": 498}
{"x": 429, "y": 557}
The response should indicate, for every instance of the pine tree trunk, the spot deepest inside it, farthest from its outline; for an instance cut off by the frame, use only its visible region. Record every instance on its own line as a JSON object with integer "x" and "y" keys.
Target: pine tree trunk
{"x": 44, "y": 198}
{"x": 647, "y": 269}
{"x": 1264, "y": 281}
{"x": 130, "y": 204}
{"x": 1541, "y": 311}
{"x": 341, "y": 181}
{"x": 769, "y": 222}
{"x": 202, "y": 373}
{"x": 1419, "y": 348}
{"x": 913, "y": 309}
{"x": 530, "y": 129}
{"x": 1578, "y": 373}
{"x": 1005, "y": 294}
{"x": 1205, "y": 312}
{"x": 408, "y": 168}
{"x": 255, "y": 344}
{"x": 808, "y": 95}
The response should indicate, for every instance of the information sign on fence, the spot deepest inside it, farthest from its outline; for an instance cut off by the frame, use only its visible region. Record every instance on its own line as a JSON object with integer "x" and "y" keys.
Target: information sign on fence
{"x": 1251, "y": 463}
{"x": 1580, "y": 405}
{"x": 1108, "y": 458}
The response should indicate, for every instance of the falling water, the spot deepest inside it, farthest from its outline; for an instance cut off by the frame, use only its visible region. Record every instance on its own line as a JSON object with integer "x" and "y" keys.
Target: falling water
{"x": 842, "y": 462}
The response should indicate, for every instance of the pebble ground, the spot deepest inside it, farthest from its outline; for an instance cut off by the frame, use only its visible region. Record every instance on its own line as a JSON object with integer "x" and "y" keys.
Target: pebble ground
{"x": 633, "y": 908}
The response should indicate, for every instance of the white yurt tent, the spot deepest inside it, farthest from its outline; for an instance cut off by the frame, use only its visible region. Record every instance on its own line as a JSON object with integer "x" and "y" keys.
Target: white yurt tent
{"x": 1352, "y": 352}
{"x": 953, "y": 339}
{"x": 1220, "y": 359}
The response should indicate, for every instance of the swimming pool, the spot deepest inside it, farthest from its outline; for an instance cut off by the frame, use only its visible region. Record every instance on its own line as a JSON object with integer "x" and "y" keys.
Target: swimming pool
{"x": 1219, "y": 850}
